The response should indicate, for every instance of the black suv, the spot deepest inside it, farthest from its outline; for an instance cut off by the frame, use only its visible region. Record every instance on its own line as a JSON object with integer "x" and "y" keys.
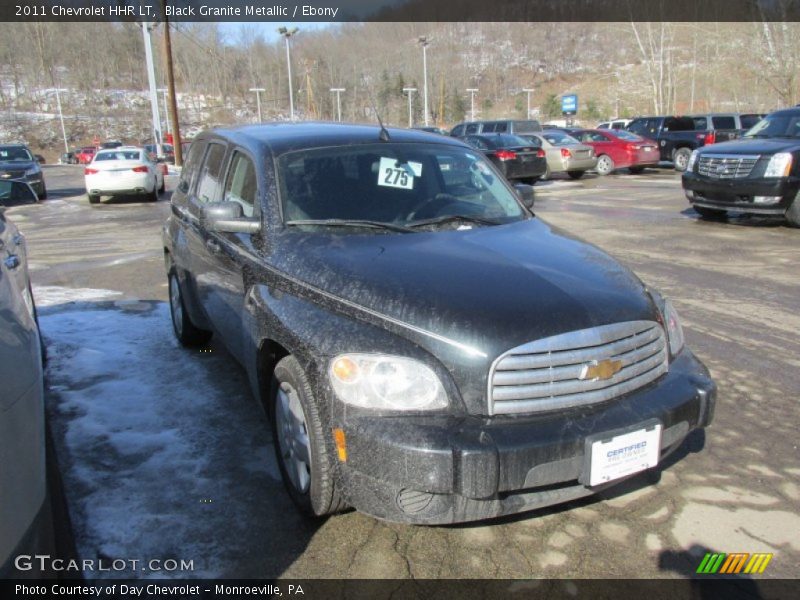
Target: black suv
{"x": 512, "y": 126}
{"x": 758, "y": 173}
{"x": 17, "y": 162}
{"x": 677, "y": 137}
{"x": 428, "y": 351}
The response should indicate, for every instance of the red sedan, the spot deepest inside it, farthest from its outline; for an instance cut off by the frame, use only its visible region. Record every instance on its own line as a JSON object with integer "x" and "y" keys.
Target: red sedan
{"x": 85, "y": 155}
{"x": 619, "y": 149}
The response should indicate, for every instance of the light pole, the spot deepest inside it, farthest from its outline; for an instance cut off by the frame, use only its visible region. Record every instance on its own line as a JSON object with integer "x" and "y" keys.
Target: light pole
{"x": 472, "y": 92}
{"x": 258, "y": 100}
{"x": 338, "y": 92}
{"x": 151, "y": 77}
{"x": 423, "y": 41}
{"x": 61, "y": 117}
{"x": 166, "y": 112}
{"x": 410, "y": 91}
{"x": 287, "y": 33}
{"x": 529, "y": 91}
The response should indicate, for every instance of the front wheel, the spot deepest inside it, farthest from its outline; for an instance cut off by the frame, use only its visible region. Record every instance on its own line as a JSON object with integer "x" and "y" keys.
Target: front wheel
{"x": 186, "y": 331}
{"x": 605, "y": 165}
{"x": 793, "y": 214}
{"x": 306, "y": 464}
{"x": 711, "y": 214}
{"x": 681, "y": 159}
{"x": 162, "y": 188}
{"x": 576, "y": 174}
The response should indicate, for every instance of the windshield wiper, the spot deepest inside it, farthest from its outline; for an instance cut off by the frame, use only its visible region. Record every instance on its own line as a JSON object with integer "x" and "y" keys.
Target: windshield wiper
{"x": 448, "y": 218}
{"x": 351, "y": 223}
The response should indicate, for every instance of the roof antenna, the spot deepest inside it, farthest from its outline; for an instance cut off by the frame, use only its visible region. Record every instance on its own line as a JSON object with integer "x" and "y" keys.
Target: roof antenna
{"x": 384, "y": 133}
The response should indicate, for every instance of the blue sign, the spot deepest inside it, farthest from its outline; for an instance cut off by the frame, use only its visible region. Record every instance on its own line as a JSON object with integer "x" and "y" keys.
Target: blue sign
{"x": 569, "y": 104}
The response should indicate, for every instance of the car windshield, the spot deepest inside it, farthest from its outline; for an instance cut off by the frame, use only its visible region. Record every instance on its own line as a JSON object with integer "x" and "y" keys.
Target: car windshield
{"x": 15, "y": 154}
{"x": 557, "y": 138}
{"x": 781, "y": 125}
{"x": 625, "y": 135}
{"x": 397, "y": 184}
{"x": 119, "y": 155}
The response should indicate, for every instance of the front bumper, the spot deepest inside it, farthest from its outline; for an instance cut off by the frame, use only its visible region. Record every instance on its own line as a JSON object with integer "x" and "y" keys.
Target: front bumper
{"x": 740, "y": 194}
{"x": 437, "y": 470}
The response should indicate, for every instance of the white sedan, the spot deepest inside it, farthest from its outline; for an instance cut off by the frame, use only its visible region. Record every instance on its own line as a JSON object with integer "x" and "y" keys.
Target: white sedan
{"x": 122, "y": 171}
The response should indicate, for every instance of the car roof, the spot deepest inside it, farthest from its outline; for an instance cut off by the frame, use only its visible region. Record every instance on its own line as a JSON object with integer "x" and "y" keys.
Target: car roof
{"x": 283, "y": 137}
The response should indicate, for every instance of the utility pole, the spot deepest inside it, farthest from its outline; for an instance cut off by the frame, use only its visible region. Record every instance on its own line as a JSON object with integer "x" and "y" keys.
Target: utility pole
{"x": 177, "y": 145}
{"x": 287, "y": 33}
{"x": 423, "y": 41}
{"x": 338, "y": 92}
{"x": 258, "y": 101}
{"x": 410, "y": 91}
{"x": 167, "y": 128}
{"x": 151, "y": 78}
{"x": 61, "y": 117}
{"x": 472, "y": 92}
{"x": 529, "y": 91}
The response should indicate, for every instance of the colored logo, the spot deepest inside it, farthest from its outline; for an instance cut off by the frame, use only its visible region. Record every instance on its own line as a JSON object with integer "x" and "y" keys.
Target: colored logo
{"x": 605, "y": 369}
{"x": 738, "y": 563}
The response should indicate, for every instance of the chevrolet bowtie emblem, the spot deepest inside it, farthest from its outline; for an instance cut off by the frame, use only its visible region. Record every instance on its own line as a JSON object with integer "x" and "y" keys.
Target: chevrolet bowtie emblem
{"x": 605, "y": 369}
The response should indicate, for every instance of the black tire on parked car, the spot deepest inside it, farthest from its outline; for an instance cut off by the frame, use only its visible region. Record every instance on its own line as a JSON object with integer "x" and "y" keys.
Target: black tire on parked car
{"x": 710, "y": 214}
{"x": 93, "y": 198}
{"x": 793, "y": 214}
{"x": 43, "y": 195}
{"x": 187, "y": 333}
{"x": 681, "y": 158}
{"x": 162, "y": 188}
{"x": 153, "y": 196}
{"x": 299, "y": 432}
{"x": 635, "y": 170}
{"x": 605, "y": 165}
{"x": 576, "y": 174}
{"x": 547, "y": 173}
{"x": 530, "y": 180}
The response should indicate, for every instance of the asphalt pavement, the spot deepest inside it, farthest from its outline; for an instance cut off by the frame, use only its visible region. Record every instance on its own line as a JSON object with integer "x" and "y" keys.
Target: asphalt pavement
{"x": 99, "y": 278}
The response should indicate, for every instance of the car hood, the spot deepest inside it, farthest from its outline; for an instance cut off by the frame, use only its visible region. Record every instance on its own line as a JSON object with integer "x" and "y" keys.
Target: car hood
{"x": 753, "y": 146}
{"x": 486, "y": 289}
{"x": 16, "y": 165}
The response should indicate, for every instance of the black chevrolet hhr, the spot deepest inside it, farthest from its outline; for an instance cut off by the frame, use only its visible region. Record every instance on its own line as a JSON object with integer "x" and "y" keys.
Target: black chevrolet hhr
{"x": 428, "y": 351}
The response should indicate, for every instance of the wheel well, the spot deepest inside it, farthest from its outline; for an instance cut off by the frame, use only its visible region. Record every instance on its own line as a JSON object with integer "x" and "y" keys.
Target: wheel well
{"x": 269, "y": 354}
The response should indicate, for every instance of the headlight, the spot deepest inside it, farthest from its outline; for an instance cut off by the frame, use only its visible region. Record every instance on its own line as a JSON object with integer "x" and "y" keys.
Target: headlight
{"x": 32, "y": 171}
{"x": 383, "y": 382}
{"x": 672, "y": 325}
{"x": 779, "y": 165}
{"x": 692, "y": 160}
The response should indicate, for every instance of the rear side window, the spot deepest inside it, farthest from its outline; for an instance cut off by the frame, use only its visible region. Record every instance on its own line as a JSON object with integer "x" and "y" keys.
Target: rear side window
{"x": 208, "y": 186}
{"x": 749, "y": 120}
{"x": 241, "y": 186}
{"x": 489, "y": 128}
{"x": 501, "y": 127}
{"x": 527, "y": 126}
{"x": 723, "y": 122}
{"x": 684, "y": 124}
{"x": 590, "y": 136}
{"x": 603, "y": 126}
{"x": 190, "y": 166}
{"x": 618, "y": 125}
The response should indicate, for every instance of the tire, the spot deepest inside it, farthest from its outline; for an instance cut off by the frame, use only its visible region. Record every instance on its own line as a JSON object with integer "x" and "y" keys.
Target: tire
{"x": 547, "y": 173}
{"x": 186, "y": 332}
{"x": 43, "y": 195}
{"x": 163, "y": 186}
{"x": 529, "y": 180}
{"x": 93, "y": 199}
{"x": 636, "y": 170}
{"x": 710, "y": 214}
{"x": 576, "y": 174}
{"x": 299, "y": 434}
{"x": 153, "y": 196}
{"x": 793, "y": 213}
{"x": 605, "y": 165}
{"x": 681, "y": 158}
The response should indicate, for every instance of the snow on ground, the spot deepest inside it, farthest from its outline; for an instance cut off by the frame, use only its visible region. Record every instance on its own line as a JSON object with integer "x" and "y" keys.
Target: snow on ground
{"x": 163, "y": 451}
{"x": 47, "y": 295}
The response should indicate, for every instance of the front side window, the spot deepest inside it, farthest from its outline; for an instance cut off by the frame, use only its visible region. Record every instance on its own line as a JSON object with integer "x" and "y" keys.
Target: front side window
{"x": 190, "y": 166}
{"x": 397, "y": 184}
{"x": 723, "y": 122}
{"x": 208, "y": 186}
{"x": 241, "y": 186}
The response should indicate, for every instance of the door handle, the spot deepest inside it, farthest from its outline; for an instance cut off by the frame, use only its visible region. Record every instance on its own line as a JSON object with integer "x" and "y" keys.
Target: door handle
{"x": 213, "y": 246}
{"x": 12, "y": 261}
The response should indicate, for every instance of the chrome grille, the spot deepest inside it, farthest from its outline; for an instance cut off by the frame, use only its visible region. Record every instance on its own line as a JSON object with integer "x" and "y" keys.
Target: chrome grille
{"x": 12, "y": 174}
{"x": 548, "y": 374}
{"x": 726, "y": 166}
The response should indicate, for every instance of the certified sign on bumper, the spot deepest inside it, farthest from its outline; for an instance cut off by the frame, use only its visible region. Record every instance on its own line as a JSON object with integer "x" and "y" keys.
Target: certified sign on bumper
{"x": 624, "y": 454}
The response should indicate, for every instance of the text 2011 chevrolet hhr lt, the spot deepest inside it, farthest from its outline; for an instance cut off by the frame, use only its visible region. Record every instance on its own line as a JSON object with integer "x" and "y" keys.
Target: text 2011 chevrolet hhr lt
{"x": 428, "y": 351}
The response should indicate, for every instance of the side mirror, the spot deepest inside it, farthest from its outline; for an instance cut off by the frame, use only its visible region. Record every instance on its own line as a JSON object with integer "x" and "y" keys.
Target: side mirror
{"x": 16, "y": 193}
{"x": 525, "y": 193}
{"x": 227, "y": 217}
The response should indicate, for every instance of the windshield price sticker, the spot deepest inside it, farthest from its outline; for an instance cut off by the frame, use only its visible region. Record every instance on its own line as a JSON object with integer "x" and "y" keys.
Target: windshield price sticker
{"x": 396, "y": 174}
